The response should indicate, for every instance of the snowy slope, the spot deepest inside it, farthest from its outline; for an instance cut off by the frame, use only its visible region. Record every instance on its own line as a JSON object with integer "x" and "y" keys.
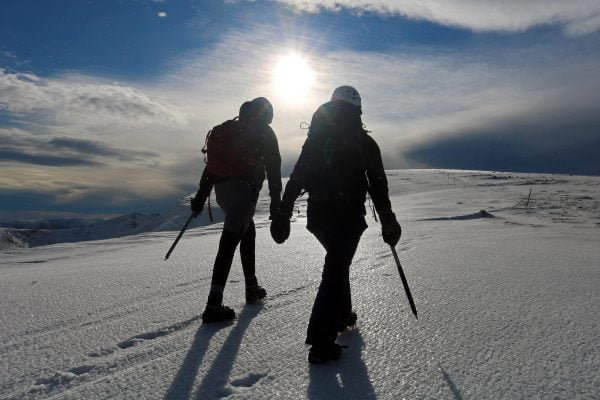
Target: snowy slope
{"x": 40, "y": 233}
{"x": 507, "y": 299}
{"x": 9, "y": 239}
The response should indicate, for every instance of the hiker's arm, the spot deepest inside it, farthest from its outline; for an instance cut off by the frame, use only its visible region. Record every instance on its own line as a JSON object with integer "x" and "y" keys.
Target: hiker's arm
{"x": 378, "y": 187}
{"x": 294, "y": 186}
{"x": 272, "y": 160}
{"x": 207, "y": 181}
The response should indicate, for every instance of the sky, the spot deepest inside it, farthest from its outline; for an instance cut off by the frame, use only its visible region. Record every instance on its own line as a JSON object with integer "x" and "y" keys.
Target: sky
{"x": 104, "y": 105}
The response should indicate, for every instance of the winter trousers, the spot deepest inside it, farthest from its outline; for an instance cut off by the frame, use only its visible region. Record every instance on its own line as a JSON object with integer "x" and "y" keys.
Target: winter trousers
{"x": 237, "y": 199}
{"x": 333, "y": 302}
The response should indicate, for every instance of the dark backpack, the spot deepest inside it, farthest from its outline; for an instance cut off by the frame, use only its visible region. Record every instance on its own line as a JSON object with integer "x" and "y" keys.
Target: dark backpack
{"x": 334, "y": 154}
{"x": 231, "y": 149}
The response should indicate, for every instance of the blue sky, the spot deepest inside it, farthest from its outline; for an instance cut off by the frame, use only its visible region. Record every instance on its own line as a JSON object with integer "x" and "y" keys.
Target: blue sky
{"x": 104, "y": 105}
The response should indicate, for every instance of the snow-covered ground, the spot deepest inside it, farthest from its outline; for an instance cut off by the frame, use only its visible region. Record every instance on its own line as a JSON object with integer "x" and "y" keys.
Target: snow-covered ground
{"x": 508, "y": 304}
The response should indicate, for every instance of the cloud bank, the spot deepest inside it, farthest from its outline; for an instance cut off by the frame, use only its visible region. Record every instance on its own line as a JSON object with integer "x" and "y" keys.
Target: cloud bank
{"x": 578, "y": 17}
{"x": 74, "y": 138}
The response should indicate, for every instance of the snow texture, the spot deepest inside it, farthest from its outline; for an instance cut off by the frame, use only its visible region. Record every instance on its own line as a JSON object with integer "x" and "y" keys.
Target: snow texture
{"x": 508, "y": 306}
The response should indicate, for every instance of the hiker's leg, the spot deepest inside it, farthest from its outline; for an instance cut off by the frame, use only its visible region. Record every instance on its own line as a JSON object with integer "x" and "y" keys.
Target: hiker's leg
{"x": 346, "y": 305}
{"x": 254, "y": 292}
{"x": 229, "y": 194}
{"x": 237, "y": 199}
{"x": 248, "y": 253}
{"x": 340, "y": 246}
{"x": 227, "y": 245}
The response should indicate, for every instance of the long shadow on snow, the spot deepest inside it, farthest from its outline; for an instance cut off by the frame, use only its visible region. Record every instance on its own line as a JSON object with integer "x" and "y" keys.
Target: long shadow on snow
{"x": 215, "y": 381}
{"x": 453, "y": 388}
{"x": 181, "y": 387}
{"x": 347, "y": 378}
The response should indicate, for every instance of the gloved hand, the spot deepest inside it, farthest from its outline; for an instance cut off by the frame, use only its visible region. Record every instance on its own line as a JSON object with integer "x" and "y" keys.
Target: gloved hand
{"x": 280, "y": 228}
{"x": 274, "y": 206}
{"x": 390, "y": 228}
{"x": 197, "y": 204}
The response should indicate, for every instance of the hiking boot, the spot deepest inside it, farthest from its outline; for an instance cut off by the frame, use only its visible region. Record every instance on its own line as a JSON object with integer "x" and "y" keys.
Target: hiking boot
{"x": 347, "y": 323}
{"x": 217, "y": 313}
{"x": 255, "y": 293}
{"x": 319, "y": 354}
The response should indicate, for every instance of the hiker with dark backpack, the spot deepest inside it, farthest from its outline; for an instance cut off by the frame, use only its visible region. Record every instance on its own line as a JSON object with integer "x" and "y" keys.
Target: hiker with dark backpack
{"x": 338, "y": 165}
{"x": 238, "y": 153}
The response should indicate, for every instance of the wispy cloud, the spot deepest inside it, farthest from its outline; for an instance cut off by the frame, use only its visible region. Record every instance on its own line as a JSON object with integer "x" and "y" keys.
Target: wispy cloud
{"x": 86, "y": 100}
{"x": 44, "y": 159}
{"x": 144, "y": 139}
{"x": 410, "y": 98}
{"x": 72, "y": 132}
{"x": 578, "y": 17}
{"x": 7, "y": 54}
{"x": 53, "y": 164}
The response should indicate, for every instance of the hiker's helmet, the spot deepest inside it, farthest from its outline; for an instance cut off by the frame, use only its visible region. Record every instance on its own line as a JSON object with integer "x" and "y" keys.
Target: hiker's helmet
{"x": 263, "y": 109}
{"x": 245, "y": 111}
{"x": 258, "y": 111}
{"x": 347, "y": 94}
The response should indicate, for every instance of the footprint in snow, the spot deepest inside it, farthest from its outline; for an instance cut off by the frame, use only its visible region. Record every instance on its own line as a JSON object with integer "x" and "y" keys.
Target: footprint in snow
{"x": 248, "y": 381}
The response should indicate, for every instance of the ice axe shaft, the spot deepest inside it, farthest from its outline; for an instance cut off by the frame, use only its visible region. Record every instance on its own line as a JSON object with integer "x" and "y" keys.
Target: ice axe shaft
{"x": 194, "y": 215}
{"x": 404, "y": 282}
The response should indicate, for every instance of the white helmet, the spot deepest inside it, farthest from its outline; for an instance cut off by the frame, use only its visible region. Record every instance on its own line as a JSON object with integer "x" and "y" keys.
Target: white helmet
{"x": 347, "y": 94}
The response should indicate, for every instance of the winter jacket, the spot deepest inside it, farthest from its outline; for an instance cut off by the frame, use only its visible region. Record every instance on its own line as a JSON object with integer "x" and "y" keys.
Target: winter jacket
{"x": 344, "y": 198}
{"x": 269, "y": 162}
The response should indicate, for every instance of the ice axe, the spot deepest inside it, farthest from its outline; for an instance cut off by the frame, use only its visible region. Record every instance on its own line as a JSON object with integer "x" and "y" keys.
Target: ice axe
{"x": 194, "y": 215}
{"x": 404, "y": 282}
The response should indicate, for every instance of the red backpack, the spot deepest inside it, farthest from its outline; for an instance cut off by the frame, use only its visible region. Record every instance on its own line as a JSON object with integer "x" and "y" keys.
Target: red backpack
{"x": 230, "y": 149}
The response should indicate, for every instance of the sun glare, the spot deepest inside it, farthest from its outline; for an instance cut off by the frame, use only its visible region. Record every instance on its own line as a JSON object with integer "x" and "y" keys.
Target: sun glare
{"x": 293, "y": 77}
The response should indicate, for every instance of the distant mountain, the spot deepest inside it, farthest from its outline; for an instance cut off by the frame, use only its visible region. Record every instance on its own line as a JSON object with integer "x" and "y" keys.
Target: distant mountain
{"x": 32, "y": 233}
{"x": 10, "y": 239}
{"x": 55, "y": 223}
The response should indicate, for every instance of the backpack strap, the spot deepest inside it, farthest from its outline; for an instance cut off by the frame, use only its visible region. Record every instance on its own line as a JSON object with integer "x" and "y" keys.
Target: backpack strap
{"x": 210, "y": 215}
{"x": 204, "y": 148}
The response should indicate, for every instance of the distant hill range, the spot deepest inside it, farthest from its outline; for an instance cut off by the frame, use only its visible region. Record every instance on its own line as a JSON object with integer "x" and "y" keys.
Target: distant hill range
{"x": 32, "y": 233}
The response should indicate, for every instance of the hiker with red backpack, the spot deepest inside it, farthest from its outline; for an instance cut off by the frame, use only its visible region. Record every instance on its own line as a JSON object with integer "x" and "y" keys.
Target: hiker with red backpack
{"x": 338, "y": 165}
{"x": 238, "y": 153}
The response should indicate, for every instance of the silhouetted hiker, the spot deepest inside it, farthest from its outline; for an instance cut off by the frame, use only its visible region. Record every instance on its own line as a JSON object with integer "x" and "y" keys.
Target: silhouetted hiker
{"x": 239, "y": 151}
{"x": 338, "y": 165}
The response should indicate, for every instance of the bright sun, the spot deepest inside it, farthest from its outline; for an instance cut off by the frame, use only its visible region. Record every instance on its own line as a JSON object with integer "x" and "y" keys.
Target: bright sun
{"x": 293, "y": 77}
